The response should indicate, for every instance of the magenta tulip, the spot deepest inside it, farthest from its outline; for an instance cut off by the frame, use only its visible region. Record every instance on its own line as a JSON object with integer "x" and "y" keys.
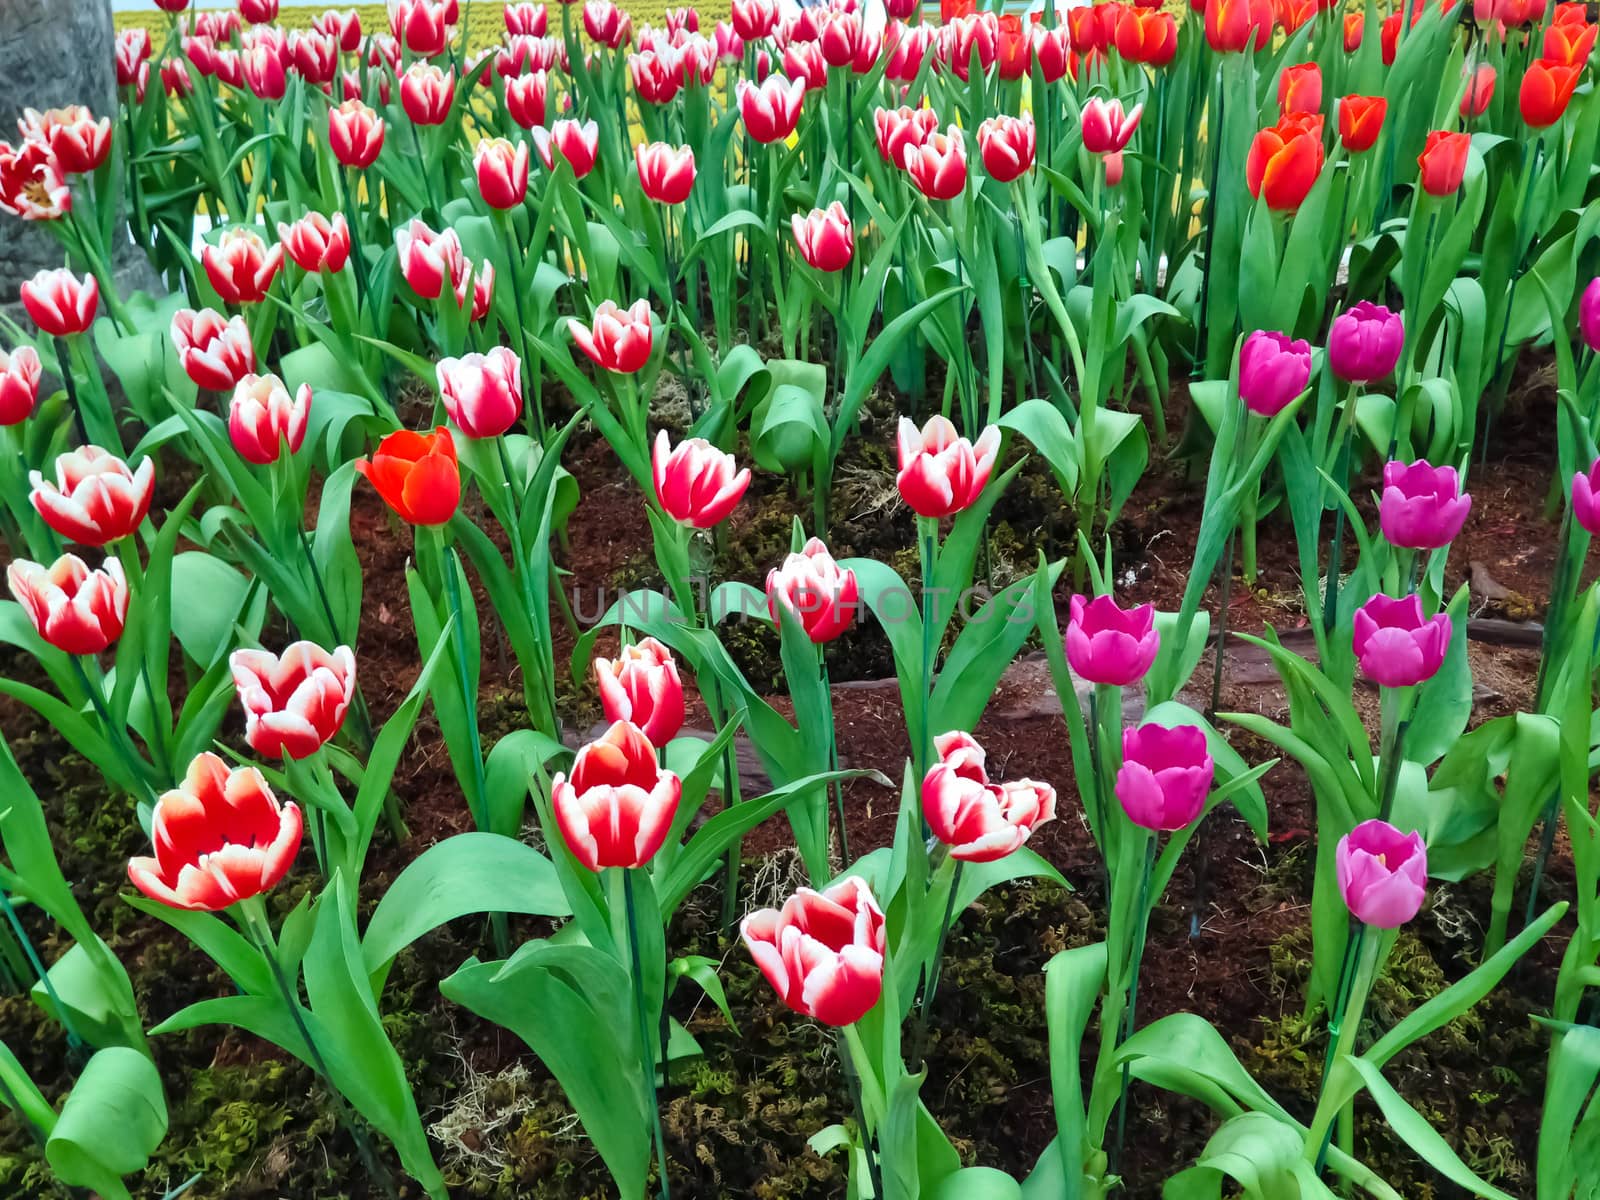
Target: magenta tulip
{"x": 1586, "y": 497}
{"x": 1165, "y": 775}
{"x": 1273, "y": 369}
{"x": 1107, "y": 644}
{"x": 1383, "y": 873}
{"x": 1423, "y": 506}
{"x": 1589, "y": 315}
{"x": 1365, "y": 342}
{"x": 1395, "y": 644}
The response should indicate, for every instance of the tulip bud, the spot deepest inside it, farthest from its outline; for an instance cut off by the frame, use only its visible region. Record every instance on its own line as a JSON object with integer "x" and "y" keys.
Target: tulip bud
{"x": 1570, "y": 44}
{"x": 641, "y": 686}
{"x": 1165, "y": 776}
{"x": 823, "y": 951}
{"x": 296, "y": 704}
{"x": 1443, "y": 162}
{"x": 841, "y": 38}
{"x": 578, "y": 145}
{"x": 696, "y": 484}
{"x": 480, "y": 281}
{"x": 525, "y": 99}
{"x": 617, "y": 808}
{"x": 482, "y": 392}
{"x": 1110, "y": 645}
{"x": 417, "y": 475}
{"x": 1383, "y": 874}
{"x": 1480, "y": 91}
{"x": 355, "y": 134}
{"x": 1586, "y": 497}
{"x": 1422, "y": 507}
{"x": 215, "y": 351}
{"x": 262, "y": 418}
{"x": 1273, "y": 369}
{"x": 427, "y": 259}
{"x": 1007, "y": 145}
{"x": 19, "y": 384}
{"x": 525, "y": 19}
{"x": 602, "y": 21}
{"x": 60, "y": 303}
{"x": 619, "y": 339}
{"x": 816, "y": 591}
{"x": 1354, "y": 27}
{"x": 74, "y": 609}
{"x": 240, "y": 267}
{"x": 1589, "y": 315}
{"x": 941, "y": 473}
{"x": 939, "y": 165}
{"x": 665, "y": 173}
{"x": 427, "y": 93}
{"x": 316, "y": 244}
{"x": 1106, "y": 128}
{"x": 421, "y": 26}
{"x": 1361, "y": 121}
{"x": 502, "y": 170}
{"x": 1395, "y": 644}
{"x": 1232, "y": 25}
{"x": 220, "y": 837}
{"x": 824, "y": 237}
{"x": 1364, "y": 342}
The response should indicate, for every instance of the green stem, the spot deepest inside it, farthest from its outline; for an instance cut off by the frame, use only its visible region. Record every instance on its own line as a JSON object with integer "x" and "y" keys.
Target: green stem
{"x": 852, "y": 1082}
{"x": 928, "y": 546}
{"x": 116, "y": 734}
{"x": 641, "y": 1009}
{"x": 835, "y": 789}
{"x": 74, "y": 1039}
{"x": 935, "y": 969}
{"x": 519, "y": 561}
{"x": 1342, "y": 1031}
{"x": 1130, "y": 1017}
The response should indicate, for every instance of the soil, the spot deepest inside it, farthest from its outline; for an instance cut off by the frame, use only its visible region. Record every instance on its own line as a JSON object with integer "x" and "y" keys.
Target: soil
{"x": 1232, "y": 946}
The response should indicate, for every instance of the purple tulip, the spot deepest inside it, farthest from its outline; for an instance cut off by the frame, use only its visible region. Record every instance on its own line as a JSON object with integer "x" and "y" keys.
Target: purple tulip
{"x": 1107, "y": 644}
{"x": 1165, "y": 776}
{"x": 1423, "y": 506}
{"x": 1383, "y": 873}
{"x": 1589, "y": 315}
{"x": 1396, "y": 645}
{"x": 1586, "y": 497}
{"x": 1273, "y": 369}
{"x": 1365, "y": 342}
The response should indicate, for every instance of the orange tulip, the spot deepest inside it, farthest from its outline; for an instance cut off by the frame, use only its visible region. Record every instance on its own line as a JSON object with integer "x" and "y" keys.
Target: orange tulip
{"x": 417, "y": 475}
{"x": 1360, "y": 121}
{"x": 1300, "y": 89}
{"x": 1284, "y": 162}
{"x": 1354, "y": 25}
{"x": 1569, "y": 44}
{"x": 1292, "y": 14}
{"x": 1146, "y": 36}
{"x": 1443, "y": 161}
{"x": 1546, "y": 90}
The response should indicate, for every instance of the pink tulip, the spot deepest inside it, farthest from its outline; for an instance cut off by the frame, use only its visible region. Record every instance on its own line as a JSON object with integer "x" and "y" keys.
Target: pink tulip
{"x": 617, "y": 808}
{"x": 316, "y": 244}
{"x": 823, "y": 952}
{"x": 618, "y": 339}
{"x": 696, "y": 484}
{"x": 1364, "y": 342}
{"x": 824, "y": 237}
{"x": 482, "y": 392}
{"x": 1273, "y": 369}
{"x": 96, "y": 498}
{"x": 263, "y": 418}
{"x": 1110, "y": 645}
{"x": 240, "y": 266}
{"x": 60, "y": 303}
{"x": 20, "y": 371}
{"x": 1395, "y": 644}
{"x": 816, "y": 590}
{"x": 939, "y": 165}
{"x": 1165, "y": 775}
{"x": 641, "y": 686}
{"x": 74, "y": 609}
{"x": 1383, "y": 874}
{"x": 940, "y": 472}
{"x": 295, "y": 704}
{"x": 665, "y": 173}
{"x": 1586, "y": 497}
{"x": 1423, "y": 507}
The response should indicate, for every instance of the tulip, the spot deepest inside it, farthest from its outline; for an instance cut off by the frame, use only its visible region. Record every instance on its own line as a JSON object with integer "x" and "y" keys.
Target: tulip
{"x": 619, "y": 339}
{"x": 263, "y": 418}
{"x": 133, "y": 51}
{"x": 525, "y": 99}
{"x": 1354, "y": 26}
{"x": 941, "y": 473}
{"x": 578, "y": 145}
{"x": 316, "y": 244}
{"x": 907, "y": 48}
{"x": 803, "y": 62}
{"x": 730, "y": 46}
{"x": 74, "y": 609}
{"x": 1546, "y": 90}
{"x": 982, "y": 821}
{"x": 977, "y": 35}
{"x": 1300, "y": 89}
{"x": 220, "y": 837}
{"x": 427, "y": 93}
{"x": 1586, "y": 497}
{"x": 1364, "y": 342}
{"x": 1480, "y": 90}
{"x": 427, "y": 259}
{"x": 218, "y": 27}
{"x": 657, "y": 77}
{"x": 754, "y": 19}
{"x": 1231, "y": 25}
{"x": 1273, "y": 369}
{"x": 666, "y": 174}
{"x": 421, "y": 26}
{"x": 1106, "y": 128}
{"x": 293, "y": 705}
{"x": 816, "y": 591}
{"x": 824, "y": 237}
{"x": 1422, "y": 507}
{"x": 479, "y": 280}
{"x": 1283, "y": 164}
{"x": 823, "y": 951}
{"x": 417, "y": 475}
{"x": 526, "y": 20}
{"x": 1360, "y": 121}
{"x": 902, "y": 10}
{"x": 482, "y": 392}
{"x": 79, "y": 143}
{"x": 96, "y": 498}
{"x": 602, "y": 21}
{"x": 201, "y": 54}
{"x": 1110, "y": 645}
{"x": 384, "y": 52}
{"x": 696, "y": 484}
{"x": 1007, "y": 146}
{"x": 263, "y": 72}
{"x": 617, "y": 808}
{"x": 175, "y": 79}
{"x": 1589, "y": 315}
{"x": 1149, "y": 37}
{"x": 961, "y": 752}
{"x": 1165, "y": 776}
{"x": 841, "y": 38}
{"x": 1443, "y": 162}
{"x": 60, "y": 303}
{"x": 1383, "y": 874}
{"x": 1292, "y": 14}
{"x": 899, "y": 128}
{"x": 868, "y": 53}
{"x": 240, "y": 266}
{"x": 19, "y": 384}
{"x": 32, "y": 185}
{"x": 1395, "y": 644}
{"x": 502, "y": 170}
{"x": 313, "y": 55}
{"x": 259, "y": 12}
{"x": 1052, "y": 52}
{"x": 684, "y": 19}
{"x": 1569, "y": 45}
{"x": 1389, "y": 38}
{"x": 939, "y": 165}
{"x": 641, "y": 686}
{"x": 1015, "y": 54}
{"x": 215, "y": 350}
{"x": 355, "y": 134}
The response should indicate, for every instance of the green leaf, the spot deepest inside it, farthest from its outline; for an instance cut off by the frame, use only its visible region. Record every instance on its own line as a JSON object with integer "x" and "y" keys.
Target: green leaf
{"x": 112, "y": 1121}
{"x": 1073, "y": 980}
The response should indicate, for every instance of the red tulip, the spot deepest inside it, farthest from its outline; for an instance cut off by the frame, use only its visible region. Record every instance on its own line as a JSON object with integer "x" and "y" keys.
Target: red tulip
{"x": 60, "y": 303}
{"x": 603, "y": 22}
{"x": 1088, "y": 29}
{"x": 525, "y": 99}
{"x": 1284, "y": 162}
{"x": 695, "y": 483}
{"x": 344, "y": 26}
{"x": 78, "y": 141}
{"x": 1389, "y": 38}
{"x": 1360, "y": 121}
{"x": 1569, "y": 45}
{"x": 1546, "y": 90}
{"x": 417, "y": 475}
{"x": 201, "y": 54}
{"x": 962, "y": 38}
{"x": 175, "y": 80}
{"x": 1007, "y": 146}
{"x": 479, "y": 281}
{"x": 296, "y": 704}
{"x": 314, "y": 56}
{"x": 229, "y": 68}
{"x": 657, "y": 78}
{"x": 428, "y": 260}
{"x": 754, "y": 19}
{"x": 384, "y": 52}
{"x": 427, "y": 93}
{"x": 1300, "y": 89}
{"x": 96, "y": 498}
{"x": 31, "y": 183}
{"x": 578, "y": 145}
{"x": 824, "y": 237}
{"x": 938, "y": 166}
{"x": 220, "y": 837}
{"x": 240, "y": 266}
{"x": 263, "y": 418}
{"x": 982, "y": 821}
{"x": 1015, "y": 54}
{"x": 502, "y": 170}
{"x": 259, "y": 12}
{"x": 1571, "y": 12}
{"x": 1290, "y": 15}
{"x": 263, "y": 72}
{"x": 355, "y": 134}
{"x": 1354, "y": 26}
{"x": 1147, "y": 36}
{"x": 907, "y": 48}
{"x": 899, "y": 128}
{"x": 316, "y": 244}
{"x": 19, "y": 384}
{"x": 421, "y": 26}
{"x": 1443, "y": 161}
{"x": 74, "y": 609}
{"x": 940, "y": 472}
{"x": 730, "y": 46}
{"x": 619, "y": 339}
{"x": 617, "y": 808}
{"x": 1052, "y": 51}
{"x": 804, "y": 61}
{"x": 1106, "y": 128}
{"x": 215, "y": 350}
{"x": 1232, "y": 25}
{"x": 841, "y": 38}
{"x": 528, "y": 20}
{"x": 816, "y": 590}
{"x": 823, "y": 952}
{"x": 665, "y": 173}
{"x": 641, "y": 686}
{"x": 482, "y": 392}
